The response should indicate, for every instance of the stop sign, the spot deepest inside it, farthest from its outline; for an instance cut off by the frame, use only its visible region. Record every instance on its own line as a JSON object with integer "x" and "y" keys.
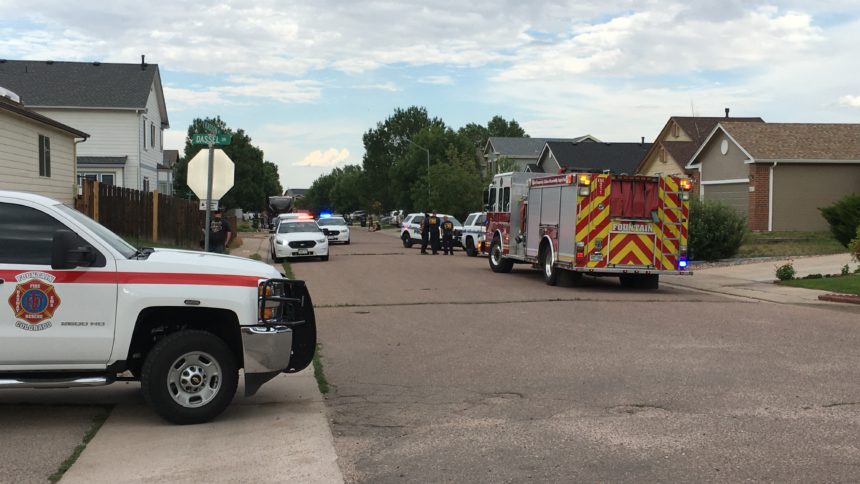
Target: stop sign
{"x": 222, "y": 174}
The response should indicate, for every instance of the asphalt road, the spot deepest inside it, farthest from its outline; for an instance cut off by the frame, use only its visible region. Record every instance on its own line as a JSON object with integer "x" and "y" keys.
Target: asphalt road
{"x": 443, "y": 371}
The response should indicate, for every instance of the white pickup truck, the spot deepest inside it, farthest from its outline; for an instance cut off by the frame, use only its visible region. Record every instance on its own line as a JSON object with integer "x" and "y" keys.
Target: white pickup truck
{"x": 84, "y": 308}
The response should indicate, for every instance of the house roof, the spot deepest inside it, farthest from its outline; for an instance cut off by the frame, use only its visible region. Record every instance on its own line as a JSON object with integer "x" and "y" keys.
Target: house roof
{"x": 518, "y": 147}
{"x": 80, "y": 84}
{"x": 102, "y": 160}
{"x": 170, "y": 158}
{"x": 698, "y": 128}
{"x": 11, "y": 106}
{"x": 533, "y": 168}
{"x": 796, "y": 141}
{"x": 615, "y": 157}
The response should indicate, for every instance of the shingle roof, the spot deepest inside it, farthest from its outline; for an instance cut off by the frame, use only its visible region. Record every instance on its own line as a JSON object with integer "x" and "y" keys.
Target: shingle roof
{"x": 797, "y": 141}
{"x": 78, "y": 84}
{"x": 615, "y": 157}
{"x": 681, "y": 151}
{"x": 102, "y": 160}
{"x": 7, "y": 104}
{"x": 698, "y": 128}
{"x": 526, "y": 147}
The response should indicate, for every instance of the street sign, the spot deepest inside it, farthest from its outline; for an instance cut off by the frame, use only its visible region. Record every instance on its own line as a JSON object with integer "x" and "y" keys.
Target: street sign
{"x": 210, "y": 127}
{"x": 213, "y": 205}
{"x": 222, "y": 174}
{"x": 210, "y": 139}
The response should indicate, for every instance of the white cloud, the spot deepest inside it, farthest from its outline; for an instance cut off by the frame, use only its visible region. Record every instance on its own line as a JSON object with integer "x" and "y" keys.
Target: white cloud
{"x": 330, "y": 158}
{"x": 436, "y": 80}
{"x": 850, "y": 101}
{"x": 385, "y": 86}
{"x": 237, "y": 88}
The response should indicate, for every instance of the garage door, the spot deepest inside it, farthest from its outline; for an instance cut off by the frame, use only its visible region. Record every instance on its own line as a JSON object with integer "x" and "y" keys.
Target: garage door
{"x": 735, "y": 195}
{"x": 800, "y": 190}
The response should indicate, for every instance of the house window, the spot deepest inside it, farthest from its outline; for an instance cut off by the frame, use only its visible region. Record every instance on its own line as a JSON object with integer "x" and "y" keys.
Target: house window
{"x": 44, "y": 156}
{"x": 107, "y": 178}
{"x": 144, "y": 133}
{"x": 161, "y": 139}
{"x": 675, "y": 130}
{"x": 146, "y": 183}
{"x": 152, "y": 135}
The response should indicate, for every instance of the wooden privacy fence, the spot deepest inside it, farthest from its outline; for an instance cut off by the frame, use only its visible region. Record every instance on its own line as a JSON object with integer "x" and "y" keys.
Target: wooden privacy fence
{"x": 142, "y": 215}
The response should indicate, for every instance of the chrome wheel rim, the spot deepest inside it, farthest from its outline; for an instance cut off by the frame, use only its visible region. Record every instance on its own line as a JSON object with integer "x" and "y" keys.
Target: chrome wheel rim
{"x": 497, "y": 254}
{"x": 547, "y": 265}
{"x": 194, "y": 379}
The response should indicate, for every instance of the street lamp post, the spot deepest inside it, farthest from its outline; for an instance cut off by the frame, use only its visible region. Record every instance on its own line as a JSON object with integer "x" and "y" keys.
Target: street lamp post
{"x": 428, "y": 165}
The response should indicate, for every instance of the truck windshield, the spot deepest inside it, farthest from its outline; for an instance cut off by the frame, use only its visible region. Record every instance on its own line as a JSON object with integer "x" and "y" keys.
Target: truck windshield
{"x": 100, "y": 230}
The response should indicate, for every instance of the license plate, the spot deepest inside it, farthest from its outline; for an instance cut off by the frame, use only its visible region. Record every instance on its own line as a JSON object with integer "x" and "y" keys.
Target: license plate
{"x": 303, "y": 251}
{"x": 597, "y": 257}
{"x": 332, "y": 237}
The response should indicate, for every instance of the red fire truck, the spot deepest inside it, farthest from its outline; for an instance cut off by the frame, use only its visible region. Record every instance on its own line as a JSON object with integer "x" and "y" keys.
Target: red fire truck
{"x": 633, "y": 227}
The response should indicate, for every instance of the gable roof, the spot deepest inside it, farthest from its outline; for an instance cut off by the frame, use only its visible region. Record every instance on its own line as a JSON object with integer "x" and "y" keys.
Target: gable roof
{"x": 598, "y": 157}
{"x": 521, "y": 147}
{"x": 11, "y": 106}
{"x": 49, "y": 84}
{"x": 698, "y": 128}
{"x": 797, "y": 141}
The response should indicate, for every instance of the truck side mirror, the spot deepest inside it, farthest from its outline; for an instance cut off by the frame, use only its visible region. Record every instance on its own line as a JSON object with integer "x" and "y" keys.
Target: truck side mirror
{"x": 67, "y": 254}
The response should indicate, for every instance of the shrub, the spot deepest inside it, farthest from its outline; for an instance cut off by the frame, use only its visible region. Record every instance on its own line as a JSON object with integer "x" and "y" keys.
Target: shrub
{"x": 844, "y": 218}
{"x": 716, "y": 230}
{"x": 854, "y": 247}
{"x": 845, "y": 270}
{"x": 785, "y": 272}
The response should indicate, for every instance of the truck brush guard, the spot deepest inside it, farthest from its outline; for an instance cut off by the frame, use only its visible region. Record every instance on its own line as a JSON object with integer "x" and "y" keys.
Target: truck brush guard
{"x": 282, "y": 302}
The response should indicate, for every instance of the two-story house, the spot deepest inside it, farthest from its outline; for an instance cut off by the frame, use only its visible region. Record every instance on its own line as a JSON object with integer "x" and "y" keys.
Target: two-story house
{"x": 37, "y": 153}
{"x": 678, "y": 141}
{"x": 522, "y": 152}
{"x": 121, "y": 106}
{"x": 564, "y": 156}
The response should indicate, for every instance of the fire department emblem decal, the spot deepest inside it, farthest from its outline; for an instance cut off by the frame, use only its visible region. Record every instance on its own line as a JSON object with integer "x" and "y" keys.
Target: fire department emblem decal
{"x": 34, "y": 301}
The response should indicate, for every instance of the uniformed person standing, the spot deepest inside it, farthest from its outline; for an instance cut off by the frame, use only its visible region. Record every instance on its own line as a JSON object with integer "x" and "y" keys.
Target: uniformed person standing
{"x": 425, "y": 233}
{"x": 433, "y": 225}
{"x": 447, "y": 236}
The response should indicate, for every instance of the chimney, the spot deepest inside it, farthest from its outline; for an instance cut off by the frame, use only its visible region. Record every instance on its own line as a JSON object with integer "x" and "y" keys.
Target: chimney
{"x": 142, "y": 62}
{"x": 727, "y": 112}
{"x": 642, "y": 143}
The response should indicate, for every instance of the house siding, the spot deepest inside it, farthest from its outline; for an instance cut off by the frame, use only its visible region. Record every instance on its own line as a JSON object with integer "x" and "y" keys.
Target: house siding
{"x": 19, "y": 159}
{"x": 653, "y": 166}
{"x": 112, "y": 133}
{"x": 716, "y": 166}
{"x": 800, "y": 190}
{"x": 151, "y": 156}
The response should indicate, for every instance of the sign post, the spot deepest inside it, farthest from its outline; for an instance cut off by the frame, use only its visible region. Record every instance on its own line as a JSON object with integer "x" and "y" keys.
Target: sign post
{"x": 211, "y": 139}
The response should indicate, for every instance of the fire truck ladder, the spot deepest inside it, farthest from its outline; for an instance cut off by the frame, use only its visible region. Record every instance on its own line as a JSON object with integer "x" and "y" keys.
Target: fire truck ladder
{"x": 671, "y": 220}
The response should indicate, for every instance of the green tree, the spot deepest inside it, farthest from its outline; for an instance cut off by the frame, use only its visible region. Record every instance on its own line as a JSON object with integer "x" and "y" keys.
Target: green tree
{"x": 499, "y": 126}
{"x": 254, "y": 179}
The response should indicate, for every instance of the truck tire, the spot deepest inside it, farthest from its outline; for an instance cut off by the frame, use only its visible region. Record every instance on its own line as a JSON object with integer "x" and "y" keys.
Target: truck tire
{"x": 407, "y": 240}
{"x": 189, "y": 377}
{"x": 498, "y": 263}
{"x": 550, "y": 271}
{"x": 471, "y": 250}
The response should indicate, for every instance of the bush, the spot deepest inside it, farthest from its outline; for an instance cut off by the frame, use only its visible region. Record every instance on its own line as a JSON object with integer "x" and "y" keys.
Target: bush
{"x": 785, "y": 272}
{"x": 854, "y": 247}
{"x": 716, "y": 230}
{"x": 844, "y": 218}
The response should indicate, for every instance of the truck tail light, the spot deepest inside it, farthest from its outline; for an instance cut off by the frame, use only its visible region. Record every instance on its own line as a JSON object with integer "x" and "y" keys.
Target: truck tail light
{"x": 685, "y": 184}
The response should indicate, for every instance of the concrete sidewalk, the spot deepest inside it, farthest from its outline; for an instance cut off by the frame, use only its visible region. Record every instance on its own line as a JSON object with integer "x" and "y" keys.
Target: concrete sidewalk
{"x": 755, "y": 280}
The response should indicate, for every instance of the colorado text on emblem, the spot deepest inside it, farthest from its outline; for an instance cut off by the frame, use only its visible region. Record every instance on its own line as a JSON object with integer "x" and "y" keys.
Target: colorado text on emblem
{"x": 34, "y": 301}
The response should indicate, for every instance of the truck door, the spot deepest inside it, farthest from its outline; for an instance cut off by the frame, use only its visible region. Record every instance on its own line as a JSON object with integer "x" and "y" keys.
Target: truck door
{"x": 49, "y": 316}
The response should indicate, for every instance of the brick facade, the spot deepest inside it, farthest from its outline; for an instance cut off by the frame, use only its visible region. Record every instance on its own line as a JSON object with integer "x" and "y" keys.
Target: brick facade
{"x": 758, "y": 208}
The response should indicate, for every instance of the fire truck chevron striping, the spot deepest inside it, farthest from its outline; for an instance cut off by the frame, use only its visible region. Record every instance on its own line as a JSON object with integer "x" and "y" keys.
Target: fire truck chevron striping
{"x": 634, "y": 227}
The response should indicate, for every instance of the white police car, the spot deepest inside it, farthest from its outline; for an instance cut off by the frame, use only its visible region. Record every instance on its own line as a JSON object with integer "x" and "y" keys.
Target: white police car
{"x": 410, "y": 229}
{"x": 335, "y": 228}
{"x": 299, "y": 238}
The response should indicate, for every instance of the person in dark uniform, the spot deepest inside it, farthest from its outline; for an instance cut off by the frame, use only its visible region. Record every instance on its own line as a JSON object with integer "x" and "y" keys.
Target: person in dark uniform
{"x": 219, "y": 233}
{"x": 447, "y": 236}
{"x": 425, "y": 232}
{"x": 433, "y": 226}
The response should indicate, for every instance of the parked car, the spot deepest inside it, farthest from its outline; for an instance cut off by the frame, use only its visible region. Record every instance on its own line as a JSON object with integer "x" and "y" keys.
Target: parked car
{"x": 359, "y": 216}
{"x": 471, "y": 235}
{"x": 335, "y": 229}
{"x": 393, "y": 217}
{"x": 298, "y": 238}
{"x": 410, "y": 229}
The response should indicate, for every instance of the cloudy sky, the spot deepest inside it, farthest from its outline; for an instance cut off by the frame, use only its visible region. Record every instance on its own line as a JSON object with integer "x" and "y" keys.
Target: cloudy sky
{"x": 307, "y": 78}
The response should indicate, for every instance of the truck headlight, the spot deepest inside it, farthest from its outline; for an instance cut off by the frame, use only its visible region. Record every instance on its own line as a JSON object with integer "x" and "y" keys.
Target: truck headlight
{"x": 320, "y": 241}
{"x": 280, "y": 241}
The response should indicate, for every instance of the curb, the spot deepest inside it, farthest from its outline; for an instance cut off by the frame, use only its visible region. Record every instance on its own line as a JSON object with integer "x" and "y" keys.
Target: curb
{"x": 843, "y": 298}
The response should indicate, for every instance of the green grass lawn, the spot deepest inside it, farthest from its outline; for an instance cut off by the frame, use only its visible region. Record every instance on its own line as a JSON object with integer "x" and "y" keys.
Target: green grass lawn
{"x": 844, "y": 284}
{"x": 786, "y": 244}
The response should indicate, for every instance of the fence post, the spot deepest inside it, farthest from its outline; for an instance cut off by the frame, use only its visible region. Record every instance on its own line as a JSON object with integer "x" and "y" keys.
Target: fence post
{"x": 155, "y": 216}
{"x": 95, "y": 186}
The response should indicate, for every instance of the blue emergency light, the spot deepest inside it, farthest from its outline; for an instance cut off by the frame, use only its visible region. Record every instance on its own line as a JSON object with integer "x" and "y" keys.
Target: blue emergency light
{"x": 325, "y": 214}
{"x": 682, "y": 263}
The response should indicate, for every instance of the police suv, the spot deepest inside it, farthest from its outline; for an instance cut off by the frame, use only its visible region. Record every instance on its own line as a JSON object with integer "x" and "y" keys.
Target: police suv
{"x": 85, "y": 308}
{"x": 472, "y": 233}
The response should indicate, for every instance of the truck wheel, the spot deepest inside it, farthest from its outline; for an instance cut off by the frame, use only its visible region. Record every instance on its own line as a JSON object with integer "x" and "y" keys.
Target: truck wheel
{"x": 407, "y": 240}
{"x": 498, "y": 263}
{"x": 189, "y": 377}
{"x": 471, "y": 251}
{"x": 550, "y": 271}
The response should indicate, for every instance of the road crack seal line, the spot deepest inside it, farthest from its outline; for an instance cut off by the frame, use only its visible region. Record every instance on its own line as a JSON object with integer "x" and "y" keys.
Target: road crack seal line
{"x": 839, "y": 404}
{"x": 634, "y": 408}
{"x": 507, "y": 301}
